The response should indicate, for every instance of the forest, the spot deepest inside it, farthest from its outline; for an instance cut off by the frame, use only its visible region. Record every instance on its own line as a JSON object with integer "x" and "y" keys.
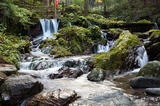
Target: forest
{"x": 79, "y": 52}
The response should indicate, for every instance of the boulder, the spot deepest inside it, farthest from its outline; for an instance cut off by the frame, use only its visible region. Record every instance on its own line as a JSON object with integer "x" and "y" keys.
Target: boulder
{"x": 72, "y": 63}
{"x": 17, "y": 88}
{"x": 60, "y": 97}
{"x": 151, "y": 69}
{"x": 8, "y": 69}
{"x": 96, "y": 75}
{"x": 67, "y": 72}
{"x": 40, "y": 65}
{"x": 121, "y": 57}
{"x": 115, "y": 98}
{"x": 144, "y": 82}
{"x": 153, "y": 91}
{"x": 153, "y": 46}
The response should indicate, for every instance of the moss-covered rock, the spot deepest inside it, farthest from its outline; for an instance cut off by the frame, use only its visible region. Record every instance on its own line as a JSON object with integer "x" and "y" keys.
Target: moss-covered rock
{"x": 103, "y": 22}
{"x": 70, "y": 40}
{"x": 153, "y": 46}
{"x": 75, "y": 9}
{"x": 72, "y": 19}
{"x": 113, "y": 33}
{"x": 143, "y": 21}
{"x": 151, "y": 69}
{"x": 116, "y": 58}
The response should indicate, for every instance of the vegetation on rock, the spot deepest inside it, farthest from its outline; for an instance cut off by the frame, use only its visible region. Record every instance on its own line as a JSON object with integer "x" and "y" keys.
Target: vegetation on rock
{"x": 115, "y": 59}
{"x": 151, "y": 69}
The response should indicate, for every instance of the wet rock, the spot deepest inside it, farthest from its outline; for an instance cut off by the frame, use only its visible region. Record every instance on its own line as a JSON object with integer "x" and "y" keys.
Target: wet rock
{"x": 17, "y": 88}
{"x": 60, "y": 97}
{"x": 8, "y": 69}
{"x": 72, "y": 63}
{"x": 115, "y": 98}
{"x": 67, "y": 72}
{"x": 143, "y": 35}
{"x": 40, "y": 65}
{"x": 145, "y": 82}
{"x": 153, "y": 46}
{"x": 151, "y": 69}
{"x": 96, "y": 75}
{"x": 153, "y": 91}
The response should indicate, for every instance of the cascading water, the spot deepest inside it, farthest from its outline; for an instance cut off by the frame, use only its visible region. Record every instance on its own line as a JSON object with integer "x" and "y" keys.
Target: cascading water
{"x": 156, "y": 25}
{"x": 105, "y": 48}
{"x": 142, "y": 58}
{"x": 49, "y": 26}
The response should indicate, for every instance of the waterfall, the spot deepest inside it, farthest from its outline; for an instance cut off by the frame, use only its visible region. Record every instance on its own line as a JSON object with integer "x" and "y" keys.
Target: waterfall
{"x": 156, "y": 25}
{"x": 142, "y": 57}
{"x": 49, "y": 26}
{"x": 104, "y": 48}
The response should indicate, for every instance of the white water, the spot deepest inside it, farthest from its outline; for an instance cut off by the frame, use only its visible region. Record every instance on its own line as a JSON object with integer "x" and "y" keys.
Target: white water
{"x": 49, "y": 26}
{"x": 156, "y": 25}
{"x": 107, "y": 47}
{"x": 142, "y": 58}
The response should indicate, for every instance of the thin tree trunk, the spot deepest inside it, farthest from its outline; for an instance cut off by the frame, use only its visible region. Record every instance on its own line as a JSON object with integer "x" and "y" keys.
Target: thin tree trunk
{"x": 55, "y": 10}
{"x": 104, "y": 3}
{"x": 86, "y": 7}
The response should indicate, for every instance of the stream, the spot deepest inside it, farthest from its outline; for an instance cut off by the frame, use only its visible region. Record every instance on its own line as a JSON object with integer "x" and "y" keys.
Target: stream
{"x": 41, "y": 65}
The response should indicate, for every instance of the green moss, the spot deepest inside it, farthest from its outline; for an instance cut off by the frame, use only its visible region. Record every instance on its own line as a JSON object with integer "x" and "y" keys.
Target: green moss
{"x": 151, "y": 69}
{"x": 114, "y": 31}
{"x": 75, "y": 9}
{"x": 155, "y": 35}
{"x": 73, "y": 40}
{"x": 103, "y": 22}
{"x": 60, "y": 51}
{"x": 115, "y": 59}
{"x": 95, "y": 33}
{"x": 74, "y": 20}
{"x": 143, "y": 21}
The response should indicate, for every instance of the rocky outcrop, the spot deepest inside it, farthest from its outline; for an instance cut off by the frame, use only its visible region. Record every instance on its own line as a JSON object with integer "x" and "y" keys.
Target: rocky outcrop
{"x": 17, "y": 88}
{"x": 151, "y": 69}
{"x": 8, "y": 69}
{"x": 145, "y": 82}
{"x": 153, "y": 46}
{"x": 60, "y": 97}
{"x": 121, "y": 57}
{"x": 67, "y": 72}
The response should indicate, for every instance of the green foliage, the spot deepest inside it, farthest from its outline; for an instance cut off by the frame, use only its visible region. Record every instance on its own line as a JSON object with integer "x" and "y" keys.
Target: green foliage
{"x": 15, "y": 18}
{"x": 115, "y": 59}
{"x": 10, "y": 48}
{"x": 75, "y": 9}
{"x": 70, "y": 40}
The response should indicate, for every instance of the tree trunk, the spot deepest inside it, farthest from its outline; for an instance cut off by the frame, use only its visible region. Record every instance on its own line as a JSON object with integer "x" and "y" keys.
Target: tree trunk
{"x": 86, "y": 7}
{"x": 104, "y": 3}
{"x": 55, "y": 10}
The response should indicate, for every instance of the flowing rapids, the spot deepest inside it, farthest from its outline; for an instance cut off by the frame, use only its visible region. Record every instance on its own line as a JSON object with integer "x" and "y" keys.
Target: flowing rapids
{"x": 47, "y": 65}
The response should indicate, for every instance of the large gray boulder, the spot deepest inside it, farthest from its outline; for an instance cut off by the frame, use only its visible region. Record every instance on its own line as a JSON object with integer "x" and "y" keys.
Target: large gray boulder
{"x": 145, "y": 82}
{"x": 115, "y": 98}
{"x": 60, "y": 97}
{"x": 17, "y": 88}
